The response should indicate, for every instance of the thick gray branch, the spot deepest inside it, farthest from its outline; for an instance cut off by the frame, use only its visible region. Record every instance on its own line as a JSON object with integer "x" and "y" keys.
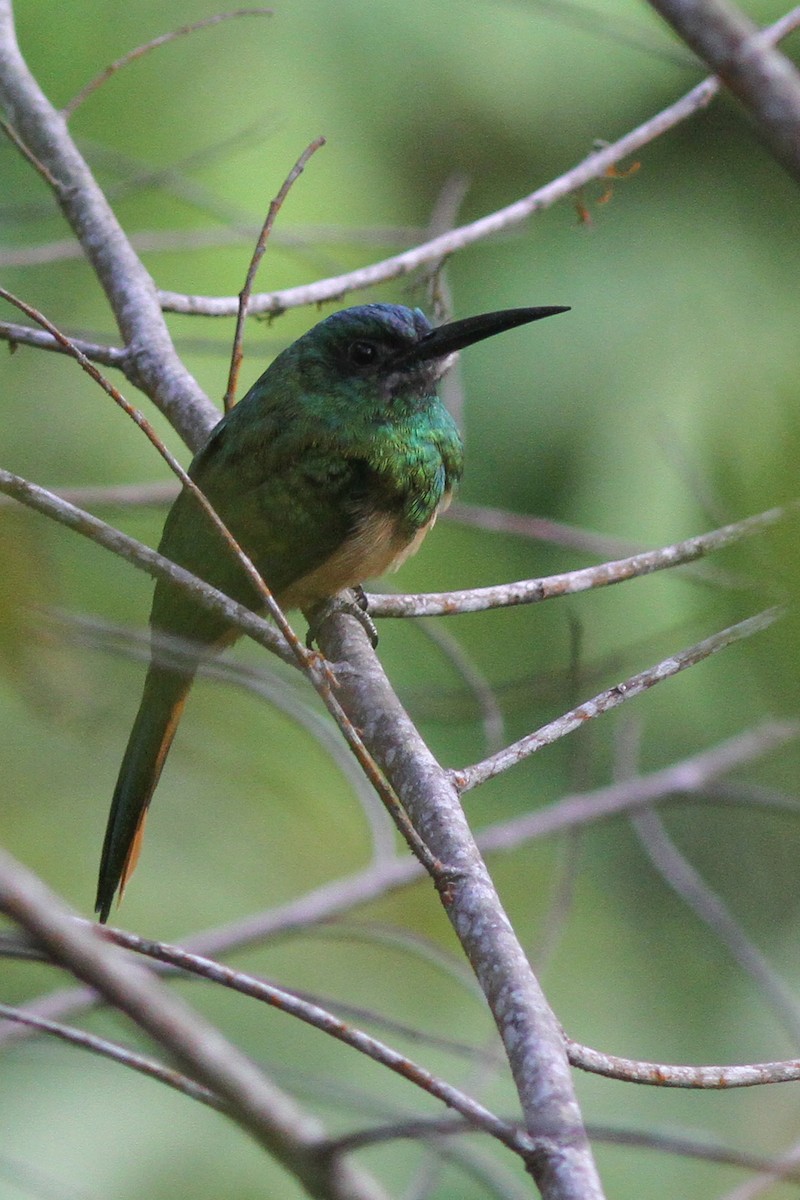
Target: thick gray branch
{"x": 759, "y": 75}
{"x": 563, "y": 1167}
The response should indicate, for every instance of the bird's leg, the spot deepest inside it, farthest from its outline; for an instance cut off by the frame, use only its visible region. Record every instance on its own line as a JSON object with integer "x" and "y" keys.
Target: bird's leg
{"x": 353, "y": 602}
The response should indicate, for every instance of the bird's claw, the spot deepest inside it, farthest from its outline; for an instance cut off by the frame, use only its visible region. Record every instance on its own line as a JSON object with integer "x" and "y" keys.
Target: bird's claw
{"x": 353, "y": 603}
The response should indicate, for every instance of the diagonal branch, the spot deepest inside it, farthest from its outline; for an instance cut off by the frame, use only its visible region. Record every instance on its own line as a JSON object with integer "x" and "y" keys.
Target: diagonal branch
{"x": 764, "y": 79}
{"x": 114, "y": 1051}
{"x": 469, "y": 777}
{"x": 153, "y": 44}
{"x": 271, "y": 1117}
{"x": 563, "y": 1168}
{"x": 595, "y": 166}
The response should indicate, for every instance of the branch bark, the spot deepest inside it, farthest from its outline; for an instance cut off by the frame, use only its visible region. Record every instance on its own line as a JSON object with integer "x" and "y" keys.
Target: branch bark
{"x": 760, "y": 76}
{"x": 563, "y": 1166}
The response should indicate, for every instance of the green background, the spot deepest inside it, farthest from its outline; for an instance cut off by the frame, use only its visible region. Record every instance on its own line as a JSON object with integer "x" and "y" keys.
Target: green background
{"x": 664, "y": 404}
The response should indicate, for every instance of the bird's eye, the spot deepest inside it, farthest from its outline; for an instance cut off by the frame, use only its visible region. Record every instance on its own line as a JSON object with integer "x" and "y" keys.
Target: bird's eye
{"x": 361, "y": 354}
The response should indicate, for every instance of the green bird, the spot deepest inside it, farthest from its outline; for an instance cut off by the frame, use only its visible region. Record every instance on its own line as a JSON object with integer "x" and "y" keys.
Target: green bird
{"x": 330, "y": 471}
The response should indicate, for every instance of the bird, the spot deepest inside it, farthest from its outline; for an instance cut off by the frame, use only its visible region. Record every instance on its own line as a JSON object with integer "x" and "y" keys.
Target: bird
{"x": 329, "y": 472}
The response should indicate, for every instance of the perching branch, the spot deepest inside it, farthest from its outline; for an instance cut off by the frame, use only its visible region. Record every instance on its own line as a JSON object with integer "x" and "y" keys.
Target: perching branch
{"x": 568, "y": 583}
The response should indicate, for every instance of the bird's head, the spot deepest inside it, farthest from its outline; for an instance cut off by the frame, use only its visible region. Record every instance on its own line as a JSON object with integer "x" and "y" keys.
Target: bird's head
{"x": 376, "y": 355}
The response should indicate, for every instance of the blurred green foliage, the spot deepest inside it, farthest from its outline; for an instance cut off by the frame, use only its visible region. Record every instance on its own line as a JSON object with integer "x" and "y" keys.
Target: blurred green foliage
{"x": 666, "y": 402}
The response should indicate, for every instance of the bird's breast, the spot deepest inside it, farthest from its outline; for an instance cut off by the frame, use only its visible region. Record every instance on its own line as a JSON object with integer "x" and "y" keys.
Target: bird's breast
{"x": 380, "y": 542}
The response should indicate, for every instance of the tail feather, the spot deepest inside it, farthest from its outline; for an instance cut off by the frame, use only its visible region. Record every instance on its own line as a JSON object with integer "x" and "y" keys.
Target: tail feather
{"x": 160, "y": 710}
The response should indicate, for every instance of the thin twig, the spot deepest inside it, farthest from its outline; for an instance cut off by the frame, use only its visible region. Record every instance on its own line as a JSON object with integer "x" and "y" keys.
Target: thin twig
{"x": 23, "y": 335}
{"x": 469, "y": 777}
{"x": 692, "y": 776}
{"x": 156, "y": 494}
{"x": 117, "y": 1053}
{"x": 26, "y": 152}
{"x": 161, "y": 40}
{"x": 312, "y": 1014}
{"x": 681, "y": 1075}
{"x": 261, "y": 245}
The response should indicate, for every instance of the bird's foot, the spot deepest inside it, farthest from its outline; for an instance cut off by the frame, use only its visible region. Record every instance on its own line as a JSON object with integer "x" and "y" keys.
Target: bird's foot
{"x": 353, "y": 602}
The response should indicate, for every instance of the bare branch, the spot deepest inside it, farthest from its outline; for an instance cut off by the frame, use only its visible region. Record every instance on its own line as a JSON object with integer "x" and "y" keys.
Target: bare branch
{"x": 115, "y": 1052}
{"x": 40, "y": 339}
{"x": 595, "y": 166}
{"x": 258, "y": 254}
{"x": 143, "y": 557}
{"x": 118, "y": 495}
{"x": 687, "y": 883}
{"x": 155, "y": 42}
{"x": 569, "y": 583}
{"x": 672, "y": 1075}
{"x": 312, "y": 1014}
{"x": 691, "y": 777}
{"x": 272, "y": 1118}
{"x": 766, "y": 81}
{"x": 469, "y": 777}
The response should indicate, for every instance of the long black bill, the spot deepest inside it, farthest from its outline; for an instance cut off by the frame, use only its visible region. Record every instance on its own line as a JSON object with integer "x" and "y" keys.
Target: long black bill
{"x": 458, "y": 334}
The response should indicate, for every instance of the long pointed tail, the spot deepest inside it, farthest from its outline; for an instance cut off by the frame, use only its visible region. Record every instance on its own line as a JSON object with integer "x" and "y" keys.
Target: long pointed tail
{"x": 162, "y": 703}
